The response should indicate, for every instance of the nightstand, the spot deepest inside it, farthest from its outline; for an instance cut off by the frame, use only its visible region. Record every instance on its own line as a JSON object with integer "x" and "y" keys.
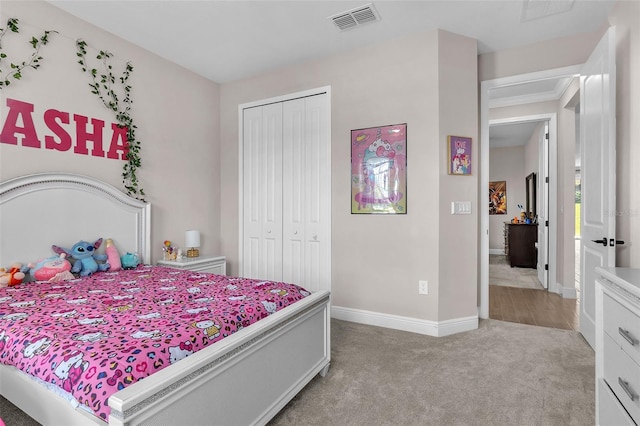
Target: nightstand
{"x": 214, "y": 265}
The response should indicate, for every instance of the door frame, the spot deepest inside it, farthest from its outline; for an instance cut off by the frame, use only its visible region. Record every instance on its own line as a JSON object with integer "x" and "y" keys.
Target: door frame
{"x": 483, "y": 202}
{"x": 275, "y": 99}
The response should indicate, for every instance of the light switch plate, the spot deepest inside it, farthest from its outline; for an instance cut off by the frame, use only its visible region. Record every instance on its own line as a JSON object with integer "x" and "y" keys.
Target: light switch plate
{"x": 461, "y": 207}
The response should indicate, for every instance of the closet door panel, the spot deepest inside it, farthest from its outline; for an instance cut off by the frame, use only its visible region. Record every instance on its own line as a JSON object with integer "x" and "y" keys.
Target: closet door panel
{"x": 294, "y": 180}
{"x": 272, "y": 181}
{"x": 252, "y": 193}
{"x": 317, "y": 193}
{"x": 262, "y": 189}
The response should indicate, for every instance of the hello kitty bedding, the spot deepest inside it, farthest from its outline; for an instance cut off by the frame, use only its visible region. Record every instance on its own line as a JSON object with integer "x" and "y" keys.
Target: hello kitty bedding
{"x": 94, "y": 336}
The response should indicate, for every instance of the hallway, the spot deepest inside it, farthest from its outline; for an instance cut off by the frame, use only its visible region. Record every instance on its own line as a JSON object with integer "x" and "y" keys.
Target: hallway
{"x": 511, "y": 300}
{"x": 533, "y": 307}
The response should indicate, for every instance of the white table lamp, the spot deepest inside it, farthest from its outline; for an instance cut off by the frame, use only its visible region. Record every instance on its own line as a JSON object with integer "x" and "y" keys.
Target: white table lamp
{"x": 192, "y": 241}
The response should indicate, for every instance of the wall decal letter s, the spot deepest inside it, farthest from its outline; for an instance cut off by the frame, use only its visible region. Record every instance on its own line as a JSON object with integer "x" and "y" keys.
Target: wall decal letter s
{"x": 51, "y": 118}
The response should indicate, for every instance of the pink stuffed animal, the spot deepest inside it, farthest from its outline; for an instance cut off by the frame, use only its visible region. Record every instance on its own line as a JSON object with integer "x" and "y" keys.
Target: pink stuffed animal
{"x": 47, "y": 268}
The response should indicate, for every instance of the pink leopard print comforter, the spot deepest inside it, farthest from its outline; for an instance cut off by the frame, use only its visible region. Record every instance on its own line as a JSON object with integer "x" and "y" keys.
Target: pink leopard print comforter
{"x": 96, "y": 335}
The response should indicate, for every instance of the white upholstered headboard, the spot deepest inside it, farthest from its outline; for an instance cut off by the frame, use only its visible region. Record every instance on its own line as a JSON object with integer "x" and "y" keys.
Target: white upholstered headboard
{"x": 39, "y": 210}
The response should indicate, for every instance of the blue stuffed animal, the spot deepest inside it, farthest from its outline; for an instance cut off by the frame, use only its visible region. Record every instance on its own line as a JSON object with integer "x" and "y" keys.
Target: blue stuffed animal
{"x": 85, "y": 257}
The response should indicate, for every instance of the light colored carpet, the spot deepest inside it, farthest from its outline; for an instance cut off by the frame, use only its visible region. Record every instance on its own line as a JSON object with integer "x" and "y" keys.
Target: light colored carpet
{"x": 500, "y": 273}
{"x": 501, "y": 374}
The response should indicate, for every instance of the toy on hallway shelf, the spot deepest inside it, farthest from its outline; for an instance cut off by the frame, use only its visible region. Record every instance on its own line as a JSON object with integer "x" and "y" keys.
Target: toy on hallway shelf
{"x": 130, "y": 260}
{"x": 12, "y": 276}
{"x": 523, "y": 215}
{"x": 113, "y": 257}
{"x": 46, "y": 269}
{"x": 85, "y": 257}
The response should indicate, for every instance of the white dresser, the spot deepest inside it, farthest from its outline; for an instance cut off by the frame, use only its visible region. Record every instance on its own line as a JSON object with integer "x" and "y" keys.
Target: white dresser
{"x": 617, "y": 346}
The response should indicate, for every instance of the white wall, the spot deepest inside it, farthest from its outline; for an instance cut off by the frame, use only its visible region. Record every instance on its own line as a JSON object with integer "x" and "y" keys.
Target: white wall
{"x": 176, "y": 112}
{"x": 377, "y": 260}
{"x": 626, "y": 18}
{"x": 506, "y": 164}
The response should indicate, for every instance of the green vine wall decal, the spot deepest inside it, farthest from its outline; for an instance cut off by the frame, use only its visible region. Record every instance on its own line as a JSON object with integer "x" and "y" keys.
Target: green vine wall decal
{"x": 103, "y": 85}
{"x": 16, "y": 68}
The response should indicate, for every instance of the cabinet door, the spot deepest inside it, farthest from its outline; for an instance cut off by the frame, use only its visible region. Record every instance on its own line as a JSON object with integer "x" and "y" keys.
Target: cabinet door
{"x": 262, "y": 191}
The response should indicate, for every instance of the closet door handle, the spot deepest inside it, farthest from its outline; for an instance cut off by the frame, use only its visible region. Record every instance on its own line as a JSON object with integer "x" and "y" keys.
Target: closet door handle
{"x": 627, "y": 336}
{"x": 627, "y": 389}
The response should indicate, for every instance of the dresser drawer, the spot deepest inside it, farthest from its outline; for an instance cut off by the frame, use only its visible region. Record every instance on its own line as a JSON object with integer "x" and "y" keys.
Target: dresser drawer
{"x": 623, "y": 326}
{"x": 610, "y": 412}
{"x": 622, "y": 374}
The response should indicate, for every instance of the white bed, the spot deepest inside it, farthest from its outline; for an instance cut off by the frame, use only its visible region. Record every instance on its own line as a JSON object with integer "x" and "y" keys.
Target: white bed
{"x": 244, "y": 379}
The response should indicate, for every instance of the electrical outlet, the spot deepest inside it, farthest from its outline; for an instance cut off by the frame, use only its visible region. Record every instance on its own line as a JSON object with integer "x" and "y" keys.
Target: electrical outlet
{"x": 423, "y": 287}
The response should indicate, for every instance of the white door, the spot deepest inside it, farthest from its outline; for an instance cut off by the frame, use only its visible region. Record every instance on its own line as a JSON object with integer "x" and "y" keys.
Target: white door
{"x": 287, "y": 191}
{"x": 307, "y": 192}
{"x": 262, "y": 192}
{"x": 543, "y": 208}
{"x": 598, "y": 165}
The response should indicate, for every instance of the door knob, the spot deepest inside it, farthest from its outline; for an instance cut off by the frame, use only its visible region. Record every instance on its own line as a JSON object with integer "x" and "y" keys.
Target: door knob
{"x": 613, "y": 242}
{"x": 603, "y": 241}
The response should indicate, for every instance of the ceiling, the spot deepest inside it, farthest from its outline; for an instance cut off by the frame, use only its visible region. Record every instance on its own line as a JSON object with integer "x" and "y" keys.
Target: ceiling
{"x": 517, "y": 134}
{"x": 231, "y": 40}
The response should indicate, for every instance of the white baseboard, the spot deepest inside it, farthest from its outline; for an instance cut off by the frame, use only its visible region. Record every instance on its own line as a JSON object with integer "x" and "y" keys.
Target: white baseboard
{"x": 569, "y": 293}
{"x": 414, "y": 325}
{"x": 496, "y": 251}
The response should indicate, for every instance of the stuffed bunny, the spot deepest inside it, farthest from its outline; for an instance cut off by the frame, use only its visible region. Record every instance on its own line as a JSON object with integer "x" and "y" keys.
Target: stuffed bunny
{"x": 85, "y": 257}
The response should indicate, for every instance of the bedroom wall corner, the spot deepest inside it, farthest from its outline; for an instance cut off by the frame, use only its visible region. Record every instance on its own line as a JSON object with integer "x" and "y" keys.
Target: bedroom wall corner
{"x": 458, "y": 234}
{"x": 176, "y": 113}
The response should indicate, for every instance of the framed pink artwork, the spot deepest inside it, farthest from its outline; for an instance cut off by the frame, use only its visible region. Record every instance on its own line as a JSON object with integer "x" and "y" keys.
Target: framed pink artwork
{"x": 460, "y": 159}
{"x": 379, "y": 170}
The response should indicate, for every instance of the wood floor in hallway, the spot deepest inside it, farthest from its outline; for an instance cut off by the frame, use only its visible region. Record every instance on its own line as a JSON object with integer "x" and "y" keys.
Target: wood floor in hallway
{"x": 533, "y": 307}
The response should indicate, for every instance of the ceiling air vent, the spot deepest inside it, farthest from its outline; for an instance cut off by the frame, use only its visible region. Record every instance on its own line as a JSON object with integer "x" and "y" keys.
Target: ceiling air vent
{"x": 535, "y": 9}
{"x": 355, "y": 17}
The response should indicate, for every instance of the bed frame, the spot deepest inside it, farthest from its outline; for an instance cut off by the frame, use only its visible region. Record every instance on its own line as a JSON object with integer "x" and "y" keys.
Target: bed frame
{"x": 244, "y": 379}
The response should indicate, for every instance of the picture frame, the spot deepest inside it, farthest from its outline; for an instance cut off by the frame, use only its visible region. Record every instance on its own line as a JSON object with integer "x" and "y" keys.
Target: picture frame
{"x": 460, "y": 157}
{"x": 379, "y": 170}
{"x": 498, "y": 197}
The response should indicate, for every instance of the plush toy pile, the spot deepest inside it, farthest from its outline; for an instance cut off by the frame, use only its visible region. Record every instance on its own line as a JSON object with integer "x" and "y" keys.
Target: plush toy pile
{"x": 80, "y": 260}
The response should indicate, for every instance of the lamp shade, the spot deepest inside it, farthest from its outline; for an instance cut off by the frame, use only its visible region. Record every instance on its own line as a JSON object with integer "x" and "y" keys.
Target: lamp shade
{"x": 192, "y": 238}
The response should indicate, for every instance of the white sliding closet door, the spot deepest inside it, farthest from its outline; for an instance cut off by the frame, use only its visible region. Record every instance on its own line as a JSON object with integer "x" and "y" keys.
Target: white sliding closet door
{"x": 286, "y": 192}
{"x": 263, "y": 192}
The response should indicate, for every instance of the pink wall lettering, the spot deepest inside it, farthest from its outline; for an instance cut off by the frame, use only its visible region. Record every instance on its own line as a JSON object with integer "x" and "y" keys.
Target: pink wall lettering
{"x": 88, "y": 132}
